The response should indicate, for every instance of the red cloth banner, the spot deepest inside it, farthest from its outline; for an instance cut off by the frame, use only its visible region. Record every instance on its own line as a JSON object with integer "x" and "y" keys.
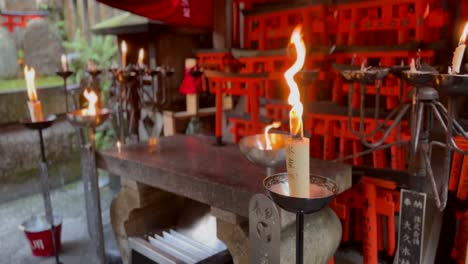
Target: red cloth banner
{"x": 184, "y": 13}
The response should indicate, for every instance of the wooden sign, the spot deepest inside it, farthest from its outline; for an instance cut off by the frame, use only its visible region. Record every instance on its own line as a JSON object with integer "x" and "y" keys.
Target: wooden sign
{"x": 411, "y": 230}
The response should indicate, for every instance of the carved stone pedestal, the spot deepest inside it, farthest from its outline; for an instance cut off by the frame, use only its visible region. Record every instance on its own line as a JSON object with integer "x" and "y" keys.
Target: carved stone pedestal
{"x": 138, "y": 209}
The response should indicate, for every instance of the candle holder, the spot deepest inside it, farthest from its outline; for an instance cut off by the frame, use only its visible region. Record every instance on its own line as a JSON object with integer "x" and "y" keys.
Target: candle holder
{"x": 39, "y": 126}
{"x": 253, "y": 148}
{"x": 65, "y": 75}
{"x": 322, "y": 191}
{"x": 95, "y": 78}
{"x": 425, "y": 110}
{"x": 90, "y": 176}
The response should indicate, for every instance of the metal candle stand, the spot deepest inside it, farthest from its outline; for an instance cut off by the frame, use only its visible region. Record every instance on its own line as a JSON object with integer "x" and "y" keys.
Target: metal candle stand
{"x": 253, "y": 149}
{"x": 39, "y": 126}
{"x": 65, "y": 75}
{"x": 90, "y": 175}
{"x": 323, "y": 191}
{"x": 424, "y": 110}
{"x": 94, "y": 76}
{"x": 130, "y": 95}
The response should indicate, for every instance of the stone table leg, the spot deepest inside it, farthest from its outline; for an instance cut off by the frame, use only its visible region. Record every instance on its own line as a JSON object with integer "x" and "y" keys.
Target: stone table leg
{"x": 322, "y": 236}
{"x": 138, "y": 209}
{"x": 236, "y": 239}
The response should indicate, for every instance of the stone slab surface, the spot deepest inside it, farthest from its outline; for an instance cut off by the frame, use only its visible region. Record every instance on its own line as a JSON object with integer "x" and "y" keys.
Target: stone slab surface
{"x": 192, "y": 167}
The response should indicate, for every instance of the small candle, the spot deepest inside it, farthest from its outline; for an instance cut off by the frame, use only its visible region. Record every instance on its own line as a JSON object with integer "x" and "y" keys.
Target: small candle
{"x": 297, "y": 147}
{"x": 141, "y": 56}
{"x": 64, "y": 62}
{"x": 123, "y": 50}
{"x": 459, "y": 52}
{"x": 413, "y": 66}
{"x": 34, "y": 105}
{"x": 119, "y": 146}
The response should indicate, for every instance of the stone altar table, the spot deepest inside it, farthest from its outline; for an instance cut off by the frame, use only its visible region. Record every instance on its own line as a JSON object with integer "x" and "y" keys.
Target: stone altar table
{"x": 155, "y": 181}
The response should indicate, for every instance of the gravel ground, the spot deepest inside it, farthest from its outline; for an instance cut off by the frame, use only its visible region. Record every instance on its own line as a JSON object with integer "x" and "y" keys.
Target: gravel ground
{"x": 67, "y": 201}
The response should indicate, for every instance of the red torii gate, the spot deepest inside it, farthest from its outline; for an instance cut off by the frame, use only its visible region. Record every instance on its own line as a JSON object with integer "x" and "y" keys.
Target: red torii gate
{"x": 12, "y": 19}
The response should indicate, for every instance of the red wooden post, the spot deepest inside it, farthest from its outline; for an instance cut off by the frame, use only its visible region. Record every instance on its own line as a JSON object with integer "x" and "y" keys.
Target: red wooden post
{"x": 455, "y": 171}
{"x": 219, "y": 111}
{"x": 369, "y": 224}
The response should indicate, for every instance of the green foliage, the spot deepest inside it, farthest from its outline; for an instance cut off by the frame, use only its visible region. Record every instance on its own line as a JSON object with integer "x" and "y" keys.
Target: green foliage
{"x": 101, "y": 50}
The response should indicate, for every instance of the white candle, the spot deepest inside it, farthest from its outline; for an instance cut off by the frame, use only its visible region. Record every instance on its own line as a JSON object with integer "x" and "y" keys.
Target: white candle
{"x": 297, "y": 147}
{"x": 123, "y": 50}
{"x": 119, "y": 146}
{"x": 64, "y": 62}
{"x": 297, "y": 164}
{"x": 34, "y": 105}
{"x": 459, "y": 52}
{"x": 413, "y": 66}
{"x": 141, "y": 56}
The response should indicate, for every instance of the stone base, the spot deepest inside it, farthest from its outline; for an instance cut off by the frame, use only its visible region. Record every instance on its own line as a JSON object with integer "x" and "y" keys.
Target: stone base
{"x": 139, "y": 209}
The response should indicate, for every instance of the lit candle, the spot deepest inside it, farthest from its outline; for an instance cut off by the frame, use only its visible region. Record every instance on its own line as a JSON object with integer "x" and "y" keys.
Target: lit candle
{"x": 413, "y": 66}
{"x": 64, "y": 62}
{"x": 459, "y": 52}
{"x": 34, "y": 105}
{"x": 297, "y": 147}
{"x": 268, "y": 145}
{"x": 123, "y": 50}
{"x": 119, "y": 146}
{"x": 92, "y": 100}
{"x": 141, "y": 56}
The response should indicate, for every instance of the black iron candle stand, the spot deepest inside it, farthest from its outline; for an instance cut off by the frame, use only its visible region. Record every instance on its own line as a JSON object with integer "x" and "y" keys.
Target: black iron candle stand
{"x": 39, "y": 126}
{"x": 323, "y": 191}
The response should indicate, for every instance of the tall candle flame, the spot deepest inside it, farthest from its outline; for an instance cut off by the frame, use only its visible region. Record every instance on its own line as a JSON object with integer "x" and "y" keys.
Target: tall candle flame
{"x": 294, "y": 99}
{"x": 267, "y": 136}
{"x": 141, "y": 56}
{"x": 463, "y": 36}
{"x": 92, "y": 100}
{"x": 123, "y": 47}
{"x": 29, "y": 74}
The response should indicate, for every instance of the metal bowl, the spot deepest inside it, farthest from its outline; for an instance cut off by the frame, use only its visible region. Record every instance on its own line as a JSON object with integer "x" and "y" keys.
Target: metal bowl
{"x": 419, "y": 78}
{"x": 451, "y": 85}
{"x": 47, "y": 122}
{"x": 253, "y": 148}
{"x": 77, "y": 118}
{"x": 397, "y": 71}
{"x": 322, "y": 191}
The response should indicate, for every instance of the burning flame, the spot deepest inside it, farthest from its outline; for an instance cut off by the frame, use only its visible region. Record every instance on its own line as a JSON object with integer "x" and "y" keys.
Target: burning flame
{"x": 92, "y": 100}
{"x": 463, "y": 36}
{"x": 123, "y": 47}
{"x": 29, "y": 74}
{"x": 267, "y": 136}
{"x": 141, "y": 56}
{"x": 294, "y": 99}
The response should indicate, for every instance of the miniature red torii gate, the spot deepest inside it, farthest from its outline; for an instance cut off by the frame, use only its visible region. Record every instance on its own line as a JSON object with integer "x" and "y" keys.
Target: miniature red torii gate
{"x": 13, "y": 19}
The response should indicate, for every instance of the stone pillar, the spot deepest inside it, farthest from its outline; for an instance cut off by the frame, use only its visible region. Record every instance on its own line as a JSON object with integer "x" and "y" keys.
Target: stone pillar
{"x": 236, "y": 238}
